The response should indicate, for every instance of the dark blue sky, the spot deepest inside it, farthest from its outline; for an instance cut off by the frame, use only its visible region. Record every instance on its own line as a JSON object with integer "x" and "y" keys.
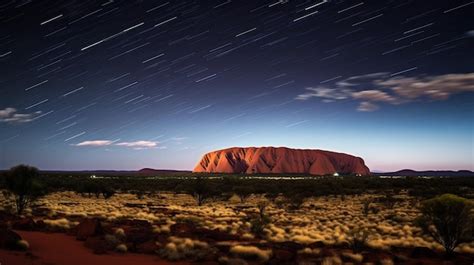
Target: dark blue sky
{"x": 133, "y": 84}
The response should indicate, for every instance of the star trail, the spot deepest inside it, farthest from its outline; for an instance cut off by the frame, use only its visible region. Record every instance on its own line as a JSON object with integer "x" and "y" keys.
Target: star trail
{"x": 132, "y": 84}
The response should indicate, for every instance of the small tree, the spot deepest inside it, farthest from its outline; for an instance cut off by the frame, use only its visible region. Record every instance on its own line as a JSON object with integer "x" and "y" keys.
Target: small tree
{"x": 258, "y": 222}
{"x": 22, "y": 181}
{"x": 243, "y": 192}
{"x": 107, "y": 192}
{"x": 296, "y": 199}
{"x": 366, "y": 206}
{"x": 201, "y": 190}
{"x": 262, "y": 208}
{"x": 448, "y": 219}
{"x": 272, "y": 196}
{"x": 388, "y": 200}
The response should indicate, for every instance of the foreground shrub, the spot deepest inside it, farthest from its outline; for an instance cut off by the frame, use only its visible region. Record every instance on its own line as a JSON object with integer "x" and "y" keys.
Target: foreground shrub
{"x": 185, "y": 248}
{"x": 22, "y": 181}
{"x": 251, "y": 252}
{"x": 389, "y": 200}
{"x": 201, "y": 190}
{"x": 243, "y": 192}
{"x": 448, "y": 219}
{"x": 23, "y": 245}
{"x": 258, "y": 223}
{"x": 366, "y": 206}
{"x": 58, "y": 224}
{"x": 358, "y": 239}
{"x": 296, "y": 199}
{"x": 121, "y": 248}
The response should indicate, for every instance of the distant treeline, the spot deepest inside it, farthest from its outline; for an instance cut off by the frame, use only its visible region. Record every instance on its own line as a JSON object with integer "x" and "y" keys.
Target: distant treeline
{"x": 268, "y": 185}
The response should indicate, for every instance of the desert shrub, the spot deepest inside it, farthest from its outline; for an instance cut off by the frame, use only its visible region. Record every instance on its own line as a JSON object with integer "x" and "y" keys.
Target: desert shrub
{"x": 388, "y": 200}
{"x": 23, "y": 182}
{"x": 342, "y": 196}
{"x": 201, "y": 190}
{"x": 366, "y": 206}
{"x": 88, "y": 188}
{"x": 121, "y": 248}
{"x": 331, "y": 260}
{"x": 96, "y": 188}
{"x": 375, "y": 210}
{"x": 185, "y": 248}
{"x": 112, "y": 240}
{"x": 120, "y": 233}
{"x": 295, "y": 200}
{"x": 260, "y": 221}
{"x": 107, "y": 192}
{"x": 251, "y": 252}
{"x": 23, "y": 245}
{"x": 243, "y": 192}
{"x": 58, "y": 224}
{"x": 139, "y": 193}
{"x": 272, "y": 196}
{"x": 358, "y": 239}
{"x": 262, "y": 207}
{"x": 356, "y": 257}
{"x": 258, "y": 224}
{"x": 448, "y": 219}
{"x": 192, "y": 220}
{"x": 310, "y": 251}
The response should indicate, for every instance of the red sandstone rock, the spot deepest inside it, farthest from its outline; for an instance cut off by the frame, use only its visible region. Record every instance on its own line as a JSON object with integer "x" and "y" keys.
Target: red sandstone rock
{"x": 280, "y": 160}
{"x": 148, "y": 247}
{"x": 26, "y": 224}
{"x": 97, "y": 244}
{"x": 9, "y": 239}
{"x": 183, "y": 229}
{"x": 88, "y": 228}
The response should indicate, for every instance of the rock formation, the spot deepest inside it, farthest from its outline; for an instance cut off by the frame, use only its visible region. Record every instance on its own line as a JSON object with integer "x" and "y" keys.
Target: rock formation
{"x": 280, "y": 160}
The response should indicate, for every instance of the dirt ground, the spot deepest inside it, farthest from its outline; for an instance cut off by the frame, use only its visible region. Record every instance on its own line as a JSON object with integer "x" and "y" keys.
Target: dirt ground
{"x": 60, "y": 249}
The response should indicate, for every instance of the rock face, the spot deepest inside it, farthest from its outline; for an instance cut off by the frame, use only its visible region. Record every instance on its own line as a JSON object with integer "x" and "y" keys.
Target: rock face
{"x": 9, "y": 239}
{"x": 280, "y": 160}
{"x": 88, "y": 228}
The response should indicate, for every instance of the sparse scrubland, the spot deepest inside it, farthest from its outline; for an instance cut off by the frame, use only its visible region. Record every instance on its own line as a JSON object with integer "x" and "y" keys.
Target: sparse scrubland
{"x": 239, "y": 220}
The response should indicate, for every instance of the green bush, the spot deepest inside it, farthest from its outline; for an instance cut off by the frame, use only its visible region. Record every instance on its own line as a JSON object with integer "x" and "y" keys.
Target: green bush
{"x": 448, "y": 219}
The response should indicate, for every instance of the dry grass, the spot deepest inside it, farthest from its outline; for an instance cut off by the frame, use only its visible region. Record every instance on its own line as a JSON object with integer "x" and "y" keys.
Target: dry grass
{"x": 326, "y": 219}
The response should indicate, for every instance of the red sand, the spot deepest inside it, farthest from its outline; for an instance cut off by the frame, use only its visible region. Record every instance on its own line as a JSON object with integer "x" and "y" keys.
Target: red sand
{"x": 61, "y": 249}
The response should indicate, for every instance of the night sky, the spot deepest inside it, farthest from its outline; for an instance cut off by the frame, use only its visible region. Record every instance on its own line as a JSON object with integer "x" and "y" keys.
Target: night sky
{"x": 133, "y": 84}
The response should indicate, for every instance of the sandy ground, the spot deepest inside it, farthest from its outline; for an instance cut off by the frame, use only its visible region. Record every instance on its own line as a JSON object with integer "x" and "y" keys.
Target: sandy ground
{"x": 61, "y": 249}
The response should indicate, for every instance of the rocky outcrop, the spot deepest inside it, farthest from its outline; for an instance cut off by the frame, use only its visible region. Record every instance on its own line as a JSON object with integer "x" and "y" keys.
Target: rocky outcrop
{"x": 88, "y": 228}
{"x": 280, "y": 160}
{"x": 9, "y": 239}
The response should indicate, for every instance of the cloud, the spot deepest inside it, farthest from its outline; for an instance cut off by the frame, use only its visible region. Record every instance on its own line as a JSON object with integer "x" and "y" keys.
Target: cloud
{"x": 382, "y": 87}
{"x": 360, "y": 79}
{"x": 95, "y": 143}
{"x": 374, "y": 95}
{"x": 10, "y": 115}
{"x": 434, "y": 87}
{"x": 7, "y": 112}
{"x": 323, "y": 92}
{"x": 367, "y": 106}
{"x": 139, "y": 144}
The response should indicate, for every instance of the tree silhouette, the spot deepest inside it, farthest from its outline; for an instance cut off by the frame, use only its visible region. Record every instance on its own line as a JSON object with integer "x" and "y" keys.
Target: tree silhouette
{"x": 23, "y": 182}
